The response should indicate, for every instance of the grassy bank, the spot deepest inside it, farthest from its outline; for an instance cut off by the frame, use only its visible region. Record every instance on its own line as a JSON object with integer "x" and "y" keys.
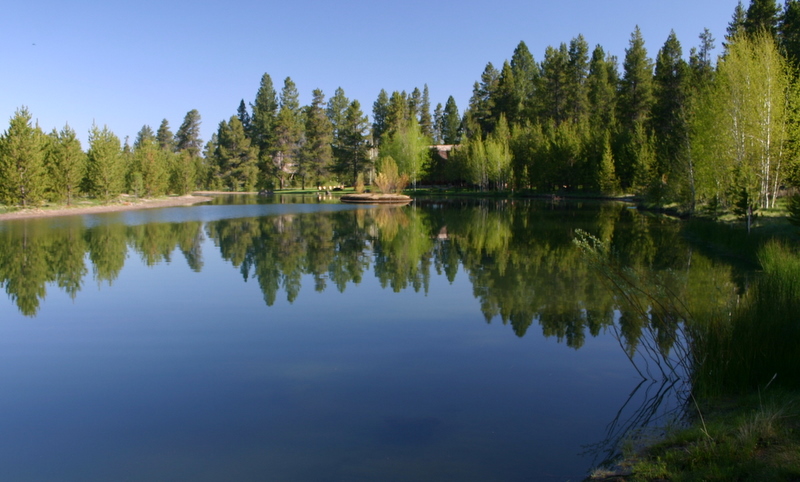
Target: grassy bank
{"x": 745, "y": 407}
{"x": 751, "y": 437}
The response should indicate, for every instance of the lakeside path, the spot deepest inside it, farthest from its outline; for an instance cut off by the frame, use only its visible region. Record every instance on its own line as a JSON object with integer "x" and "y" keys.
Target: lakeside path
{"x": 124, "y": 205}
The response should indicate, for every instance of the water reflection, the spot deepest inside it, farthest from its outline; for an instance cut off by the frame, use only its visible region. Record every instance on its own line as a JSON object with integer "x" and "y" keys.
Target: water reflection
{"x": 519, "y": 256}
{"x": 446, "y": 390}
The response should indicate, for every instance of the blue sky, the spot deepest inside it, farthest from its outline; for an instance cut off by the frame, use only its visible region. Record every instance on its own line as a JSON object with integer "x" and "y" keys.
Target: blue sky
{"x": 125, "y": 64}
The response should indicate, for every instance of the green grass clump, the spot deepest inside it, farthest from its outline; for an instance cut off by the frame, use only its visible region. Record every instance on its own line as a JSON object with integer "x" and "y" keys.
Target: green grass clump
{"x": 759, "y": 344}
{"x": 747, "y": 438}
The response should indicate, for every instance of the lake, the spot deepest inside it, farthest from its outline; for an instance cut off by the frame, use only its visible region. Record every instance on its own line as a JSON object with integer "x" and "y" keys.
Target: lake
{"x": 290, "y": 339}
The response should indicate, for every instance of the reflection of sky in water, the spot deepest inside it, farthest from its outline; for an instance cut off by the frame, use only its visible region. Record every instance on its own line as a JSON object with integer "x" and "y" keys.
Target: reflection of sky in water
{"x": 170, "y": 373}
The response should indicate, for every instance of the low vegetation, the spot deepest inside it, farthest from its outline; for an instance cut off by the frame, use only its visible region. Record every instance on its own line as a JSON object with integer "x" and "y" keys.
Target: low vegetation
{"x": 744, "y": 406}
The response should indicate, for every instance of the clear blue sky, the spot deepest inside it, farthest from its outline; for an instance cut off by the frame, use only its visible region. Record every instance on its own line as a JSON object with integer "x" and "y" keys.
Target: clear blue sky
{"x": 125, "y": 64}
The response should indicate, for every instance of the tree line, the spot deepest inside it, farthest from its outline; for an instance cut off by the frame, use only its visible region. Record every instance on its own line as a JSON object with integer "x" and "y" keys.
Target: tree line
{"x": 703, "y": 132}
{"x": 721, "y": 135}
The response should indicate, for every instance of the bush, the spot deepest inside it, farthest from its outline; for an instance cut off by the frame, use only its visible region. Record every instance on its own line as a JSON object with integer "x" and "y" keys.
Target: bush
{"x": 389, "y": 181}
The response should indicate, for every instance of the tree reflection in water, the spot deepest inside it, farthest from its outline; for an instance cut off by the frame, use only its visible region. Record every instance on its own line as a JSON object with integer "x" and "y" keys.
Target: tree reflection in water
{"x": 519, "y": 256}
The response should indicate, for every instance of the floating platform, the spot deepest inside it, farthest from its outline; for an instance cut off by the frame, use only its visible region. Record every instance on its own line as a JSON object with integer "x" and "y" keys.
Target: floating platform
{"x": 370, "y": 198}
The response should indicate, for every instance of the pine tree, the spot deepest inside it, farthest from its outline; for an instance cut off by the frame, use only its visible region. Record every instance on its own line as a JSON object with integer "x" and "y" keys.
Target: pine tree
{"x": 634, "y": 106}
{"x": 236, "y": 158}
{"x": 397, "y": 113}
{"x": 607, "y": 178}
{"x": 414, "y": 103}
{"x": 262, "y": 125}
{"x": 66, "y": 162}
{"x": 317, "y": 151}
{"x": 481, "y": 104}
{"x": 736, "y": 25}
{"x": 288, "y": 134}
{"x": 188, "y": 136}
{"x": 451, "y": 123}
{"x": 526, "y": 77}
{"x": 166, "y": 141}
{"x": 700, "y": 61}
{"x": 351, "y": 148}
{"x": 438, "y": 123}
{"x": 636, "y": 87}
{"x": 425, "y": 121}
{"x": 554, "y": 84}
{"x": 23, "y": 176}
{"x": 669, "y": 122}
{"x": 762, "y": 16}
{"x": 151, "y": 164}
{"x": 336, "y": 111}
{"x": 105, "y": 169}
{"x": 212, "y": 177}
{"x": 506, "y": 101}
{"x": 183, "y": 172}
{"x": 602, "y": 90}
{"x": 789, "y": 33}
{"x": 244, "y": 117}
{"x": 144, "y": 135}
{"x": 380, "y": 112}
{"x": 577, "y": 73}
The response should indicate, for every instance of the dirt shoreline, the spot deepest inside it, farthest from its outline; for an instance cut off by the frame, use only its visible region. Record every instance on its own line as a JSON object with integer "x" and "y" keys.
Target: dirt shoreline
{"x": 125, "y": 204}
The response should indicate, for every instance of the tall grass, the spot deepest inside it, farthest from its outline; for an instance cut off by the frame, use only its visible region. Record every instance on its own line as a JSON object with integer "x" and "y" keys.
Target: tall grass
{"x": 761, "y": 340}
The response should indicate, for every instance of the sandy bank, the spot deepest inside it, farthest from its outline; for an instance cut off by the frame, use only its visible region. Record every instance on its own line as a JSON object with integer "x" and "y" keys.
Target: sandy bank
{"x": 125, "y": 204}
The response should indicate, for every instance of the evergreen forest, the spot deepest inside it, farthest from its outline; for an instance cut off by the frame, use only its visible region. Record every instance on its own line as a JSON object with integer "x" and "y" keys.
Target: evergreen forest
{"x": 715, "y": 130}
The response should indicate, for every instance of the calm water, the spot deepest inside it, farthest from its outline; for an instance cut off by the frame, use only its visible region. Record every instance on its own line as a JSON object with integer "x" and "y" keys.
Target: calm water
{"x": 252, "y": 339}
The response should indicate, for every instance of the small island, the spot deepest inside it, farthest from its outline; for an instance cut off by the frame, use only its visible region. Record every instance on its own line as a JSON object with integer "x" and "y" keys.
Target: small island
{"x": 375, "y": 198}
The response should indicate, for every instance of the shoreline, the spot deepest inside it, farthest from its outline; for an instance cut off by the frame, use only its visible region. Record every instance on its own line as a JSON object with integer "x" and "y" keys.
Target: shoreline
{"x": 122, "y": 205}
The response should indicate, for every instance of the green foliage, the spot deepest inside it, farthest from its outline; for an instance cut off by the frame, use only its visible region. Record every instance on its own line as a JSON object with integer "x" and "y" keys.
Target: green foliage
{"x": 742, "y": 124}
{"x": 451, "y": 123}
{"x": 236, "y": 161}
{"x": 262, "y": 126}
{"x": 183, "y": 172}
{"x": 607, "y": 178}
{"x": 23, "y": 175}
{"x": 389, "y": 180}
{"x": 758, "y": 342}
{"x": 669, "y": 120}
{"x": 762, "y": 17}
{"x": 359, "y": 186}
{"x": 749, "y": 438}
{"x": 151, "y": 165}
{"x": 555, "y": 82}
{"x": 482, "y": 102}
{"x": 636, "y": 85}
{"x": 425, "y": 120}
{"x": 66, "y": 162}
{"x": 577, "y": 73}
{"x": 526, "y": 80}
{"x": 351, "y": 147}
{"x": 164, "y": 137}
{"x": 316, "y": 152}
{"x": 288, "y": 134}
{"x": 244, "y": 116}
{"x": 409, "y": 149}
{"x": 105, "y": 169}
{"x": 794, "y": 209}
{"x": 789, "y": 32}
{"x": 188, "y": 136}
{"x": 380, "y": 112}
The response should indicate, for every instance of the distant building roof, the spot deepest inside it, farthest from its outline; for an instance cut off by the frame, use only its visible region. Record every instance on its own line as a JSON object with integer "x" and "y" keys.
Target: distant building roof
{"x": 443, "y": 150}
